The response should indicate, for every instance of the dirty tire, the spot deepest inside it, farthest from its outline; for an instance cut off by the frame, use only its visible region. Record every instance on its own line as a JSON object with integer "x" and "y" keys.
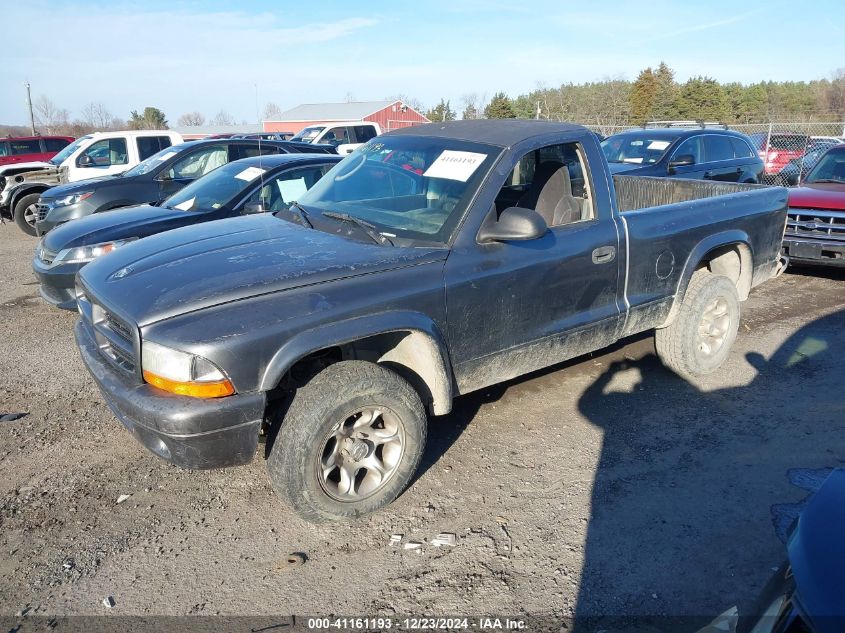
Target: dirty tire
{"x": 317, "y": 409}
{"x": 21, "y": 213}
{"x": 684, "y": 346}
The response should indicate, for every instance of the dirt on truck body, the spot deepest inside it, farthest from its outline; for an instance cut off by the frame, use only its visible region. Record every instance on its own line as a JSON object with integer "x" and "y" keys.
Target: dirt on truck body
{"x": 433, "y": 262}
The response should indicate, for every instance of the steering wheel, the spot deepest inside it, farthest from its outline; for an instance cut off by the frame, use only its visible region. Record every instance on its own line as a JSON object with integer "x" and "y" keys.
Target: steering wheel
{"x": 362, "y": 158}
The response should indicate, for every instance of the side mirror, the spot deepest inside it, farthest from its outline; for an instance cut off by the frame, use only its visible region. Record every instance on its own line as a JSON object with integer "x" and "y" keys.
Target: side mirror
{"x": 253, "y": 207}
{"x": 514, "y": 224}
{"x": 85, "y": 161}
{"x": 682, "y": 161}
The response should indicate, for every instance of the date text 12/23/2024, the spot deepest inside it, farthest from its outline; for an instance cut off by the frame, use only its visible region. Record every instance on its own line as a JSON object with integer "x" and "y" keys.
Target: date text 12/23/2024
{"x": 416, "y": 624}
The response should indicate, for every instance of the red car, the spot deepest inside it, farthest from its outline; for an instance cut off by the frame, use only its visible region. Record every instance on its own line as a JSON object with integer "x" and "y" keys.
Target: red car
{"x": 27, "y": 149}
{"x": 778, "y": 149}
{"x": 815, "y": 227}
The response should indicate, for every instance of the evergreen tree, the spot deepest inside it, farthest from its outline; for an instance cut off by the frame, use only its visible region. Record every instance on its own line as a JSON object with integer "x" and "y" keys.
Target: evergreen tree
{"x": 151, "y": 119}
{"x": 500, "y": 107}
{"x": 665, "y": 94}
{"x": 702, "y": 98}
{"x": 643, "y": 95}
{"x": 441, "y": 112}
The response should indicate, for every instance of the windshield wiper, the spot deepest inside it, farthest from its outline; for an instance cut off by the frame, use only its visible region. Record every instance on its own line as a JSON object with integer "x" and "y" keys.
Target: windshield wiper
{"x": 833, "y": 180}
{"x": 365, "y": 226}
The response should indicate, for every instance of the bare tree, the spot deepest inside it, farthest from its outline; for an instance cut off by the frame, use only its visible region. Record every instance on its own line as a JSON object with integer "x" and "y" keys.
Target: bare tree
{"x": 96, "y": 116}
{"x": 412, "y": 102}
{"x": 223, "y": 118}
{"x": 473, "y": 105}
{"x": 50, "y": 116}
{"x": 272, "y": 112}
{"x": 191, "y": 119}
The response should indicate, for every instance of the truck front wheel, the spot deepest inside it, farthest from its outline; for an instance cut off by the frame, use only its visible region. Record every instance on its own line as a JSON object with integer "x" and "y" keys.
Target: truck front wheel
{"x": 349, "y": 443}
{"x": 700, "y": 338}
{"x": 26, "y": 213}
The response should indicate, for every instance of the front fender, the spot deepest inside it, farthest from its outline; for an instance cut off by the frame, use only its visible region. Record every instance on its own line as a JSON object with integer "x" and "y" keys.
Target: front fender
{"x": 16, "y": 192}
{"x": 429, "y": 350}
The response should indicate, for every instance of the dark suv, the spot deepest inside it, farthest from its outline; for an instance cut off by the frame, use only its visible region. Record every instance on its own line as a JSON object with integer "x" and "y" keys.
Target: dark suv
{"x": 152, "y": 180}
{"x": 699, "y": 153}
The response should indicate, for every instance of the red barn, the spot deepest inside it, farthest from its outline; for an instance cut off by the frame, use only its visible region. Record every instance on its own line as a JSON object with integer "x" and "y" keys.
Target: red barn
{"x": 390, "y": 115}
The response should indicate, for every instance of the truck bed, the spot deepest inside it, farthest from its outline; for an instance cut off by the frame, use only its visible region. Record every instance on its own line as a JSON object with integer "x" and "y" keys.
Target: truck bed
{"x": 638, "y": 192}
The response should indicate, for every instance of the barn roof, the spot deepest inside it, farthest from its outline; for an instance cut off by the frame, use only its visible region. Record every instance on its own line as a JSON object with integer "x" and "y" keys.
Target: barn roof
{"x": 347, "y": 111}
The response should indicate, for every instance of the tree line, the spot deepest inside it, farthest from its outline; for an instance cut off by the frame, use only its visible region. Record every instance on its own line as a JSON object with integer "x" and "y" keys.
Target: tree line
{"x": 656, "y": 95}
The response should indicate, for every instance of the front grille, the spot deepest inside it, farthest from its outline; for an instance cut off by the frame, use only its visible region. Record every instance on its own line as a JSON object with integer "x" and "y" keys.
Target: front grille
{"x": 817, "y": 224}
{"x": 43, "y": 210}
{"x": 115, "y": 338}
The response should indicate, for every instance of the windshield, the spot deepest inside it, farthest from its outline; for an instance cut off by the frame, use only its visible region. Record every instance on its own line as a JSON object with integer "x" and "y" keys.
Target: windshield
{"x": 634, "y": 148}
{"x": 309, "y": 134}
{"x": 831, "y": 167}
{"x": 216, "y": 189}
{"x": 146, "y": 166}
{"x": 59, "y": 158}
{"x": 409, "y": 187}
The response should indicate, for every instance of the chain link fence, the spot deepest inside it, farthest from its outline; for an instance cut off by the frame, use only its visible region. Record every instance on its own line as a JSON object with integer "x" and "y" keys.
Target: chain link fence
{"x": 788, "y": 149}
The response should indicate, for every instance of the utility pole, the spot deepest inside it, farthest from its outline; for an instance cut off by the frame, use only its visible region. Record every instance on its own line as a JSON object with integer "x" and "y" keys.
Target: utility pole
{"x": 29, "y": 105}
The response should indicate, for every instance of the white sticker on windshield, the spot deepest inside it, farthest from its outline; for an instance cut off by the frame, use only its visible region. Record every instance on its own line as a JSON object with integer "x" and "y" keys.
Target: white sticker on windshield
{"x": 186, "y": 206}
{"x": 250, "y": 173}
{"x": 292, "y": 189}
{"x": 454, "y": 165}
{"x": 658, "y": 145}
{"x": 164, "y": 157}
{"x": 632, "y": 160}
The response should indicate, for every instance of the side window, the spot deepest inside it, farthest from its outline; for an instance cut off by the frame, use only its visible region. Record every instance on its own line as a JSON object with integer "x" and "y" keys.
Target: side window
{"x": 363, "y": 133}
{"x": 718, "y": 147}
{"x": 742, "y": 149}
{"x": 691, "y": 147}
{"x": 336, "y": 136}
{"x": 552, "y": 180}
{"x": 25, "y": 147}
{"x": 199, "y": 163}
{"x": 149, "y": 145}
{"x": 4, "y": 148}
{"x": 277, "y": 193}
{"x": 55, "y": 144}
{"x": 107, "y": 152}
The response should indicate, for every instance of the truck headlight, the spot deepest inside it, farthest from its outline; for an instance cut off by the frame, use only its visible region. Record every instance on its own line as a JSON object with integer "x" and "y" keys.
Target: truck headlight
{"x": 84, "y": 254}
{"x": 182, "y": 373}
{"x": 72, "y": 199}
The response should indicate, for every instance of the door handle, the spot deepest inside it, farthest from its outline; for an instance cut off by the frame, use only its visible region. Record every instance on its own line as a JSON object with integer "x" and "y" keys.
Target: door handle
{"x": 708, "y": 174}
{"x": 604, "y": 254}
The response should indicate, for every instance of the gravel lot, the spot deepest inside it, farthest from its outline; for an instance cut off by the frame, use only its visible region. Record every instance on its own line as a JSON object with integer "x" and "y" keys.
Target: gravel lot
{"x": 605, "y": 486}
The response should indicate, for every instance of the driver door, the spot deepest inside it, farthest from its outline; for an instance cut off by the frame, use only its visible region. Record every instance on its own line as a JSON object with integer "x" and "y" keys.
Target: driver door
{"x": 515, "y": 307}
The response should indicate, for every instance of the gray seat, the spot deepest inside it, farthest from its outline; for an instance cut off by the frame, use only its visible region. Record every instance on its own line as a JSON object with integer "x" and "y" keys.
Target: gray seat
{"x": 550, "y": 195}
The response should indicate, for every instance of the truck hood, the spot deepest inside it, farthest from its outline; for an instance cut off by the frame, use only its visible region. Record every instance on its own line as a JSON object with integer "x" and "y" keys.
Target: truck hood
{"x": 197, "y": 267}
{"x": 119, "y": 224}
{"x": 34, "y": 165}
{"x": 817, "y": 554}
{"x": 67, "y": 189}
{"x": 823, "y": 195}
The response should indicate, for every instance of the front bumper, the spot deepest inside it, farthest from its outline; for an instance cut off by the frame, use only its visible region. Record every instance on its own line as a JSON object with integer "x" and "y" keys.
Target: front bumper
{"x": 189, "y": 432}
{"x": 57, "y": 283}
{"x": 814, "y": 251}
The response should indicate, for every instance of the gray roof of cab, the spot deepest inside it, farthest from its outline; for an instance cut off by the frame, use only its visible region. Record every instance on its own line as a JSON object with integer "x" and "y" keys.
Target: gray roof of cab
{"x": 271, "y": 161}
{"x": 501, "y": 132}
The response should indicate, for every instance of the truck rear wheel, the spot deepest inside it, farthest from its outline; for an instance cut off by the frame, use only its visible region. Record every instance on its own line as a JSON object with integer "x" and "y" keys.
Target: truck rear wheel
{"x": 700, "y": 338}
{"x": 349, "y": 443}
{"x": 26, "y": 213}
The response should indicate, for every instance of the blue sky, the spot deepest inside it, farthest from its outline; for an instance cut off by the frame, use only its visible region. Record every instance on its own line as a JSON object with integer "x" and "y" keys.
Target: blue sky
{"x": 210, "y": 55}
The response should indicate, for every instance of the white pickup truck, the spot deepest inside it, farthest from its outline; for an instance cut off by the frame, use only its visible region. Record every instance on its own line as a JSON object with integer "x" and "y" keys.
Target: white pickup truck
{"x": 346, "y": 136}
{"x": 90, "y": 156}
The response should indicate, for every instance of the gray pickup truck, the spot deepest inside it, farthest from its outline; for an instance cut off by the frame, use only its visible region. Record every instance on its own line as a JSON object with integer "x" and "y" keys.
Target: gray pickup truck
{"x": 432, "y": 262}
